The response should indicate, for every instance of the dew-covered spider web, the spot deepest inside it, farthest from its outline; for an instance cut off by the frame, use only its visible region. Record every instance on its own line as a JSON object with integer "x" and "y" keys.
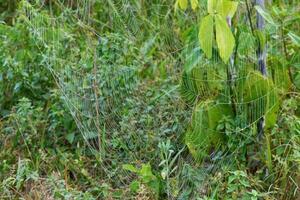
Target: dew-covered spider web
{"x": 100, "y": 77}
{"x": 103, "y": 76}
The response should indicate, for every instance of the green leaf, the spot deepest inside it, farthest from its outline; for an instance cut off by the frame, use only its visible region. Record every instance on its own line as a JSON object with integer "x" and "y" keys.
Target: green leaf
{"x": 188, "y": 88}
{"x": 209, "y": 80}
{"x": 149, "y": 178}
{"x": 259, "y": 98}
{"x": 70, "y": 137}
{"x": 271, "y": 116}
{"x": 134, "y": 186}
{"x": 265, "y": 15}
{"x": 130, "y": 168}
{"x": 261, "y": 38}
{"x": 203, "y": 134}
{"x": 183, "y": 4}
{"x": 211, "y": 6}
{"x": 227, "y": 8}
{"x": 295, "y": 38}
{"x": 225, "y": 39}
{"x": 297, "y": 80}
{"x": 146, "y": 172}
{"x": 202, "y": 82}
{"x": 206, "y": 33}
{"x": 246, "y": 41}
{"x": 280, "y": 74}
{"x": 194, "y": 4}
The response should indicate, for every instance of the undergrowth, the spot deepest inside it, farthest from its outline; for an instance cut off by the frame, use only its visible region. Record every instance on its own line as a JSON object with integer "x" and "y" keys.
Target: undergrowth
{"x": 45, "y": 155}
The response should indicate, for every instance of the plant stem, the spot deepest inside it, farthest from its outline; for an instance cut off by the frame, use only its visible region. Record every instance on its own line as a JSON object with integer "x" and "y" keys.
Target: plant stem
{"x": 262, "y": 57}
{"x": 269, "y": 153}
{"x": 262, "y": 65}
{"x": 285, "y": 51}
{"x": 231, "y": 75}
{"x": 249, "y": 17}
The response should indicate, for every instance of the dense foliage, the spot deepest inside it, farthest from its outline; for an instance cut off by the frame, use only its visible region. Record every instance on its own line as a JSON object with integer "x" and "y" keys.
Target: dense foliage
{"x": 160, "y": 99}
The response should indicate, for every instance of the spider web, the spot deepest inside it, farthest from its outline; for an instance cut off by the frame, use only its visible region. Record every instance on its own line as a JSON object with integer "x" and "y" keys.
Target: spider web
{"x": 100, "y": 90}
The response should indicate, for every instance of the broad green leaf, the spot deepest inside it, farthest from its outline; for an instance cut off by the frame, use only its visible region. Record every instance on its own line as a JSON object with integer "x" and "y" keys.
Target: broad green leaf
{"x": 246, "y": 42}
{"x": 188, "y": 88}
{"x": 202, "y": 82}
{"x": 261, "y": 38}
{"x": 194, "y": 4}
{"x": 146, "y": 172}
{"x": 265, "y": 15}
{"x": 149, "y": 178}
{"x": 211, "y": 6}
{"x": 202, "y": 134}
{"x": 297, "y": 80}
{"x": 130, "y": 168}
{"x": 225, "y": 39}
{"x": 295, "y": 38}
{"x": 280, "y": 74}
{"x": 206, "y": 33}
{"x": 209, "y": 80}
{"x": 183, "y": 4}
{"x": 134, "y": 186}
{"x": 259, "y": 98}
{"x": 272, "y": 109}
{"x": 70, "y": 137}
{"x": 227, "y": 8}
